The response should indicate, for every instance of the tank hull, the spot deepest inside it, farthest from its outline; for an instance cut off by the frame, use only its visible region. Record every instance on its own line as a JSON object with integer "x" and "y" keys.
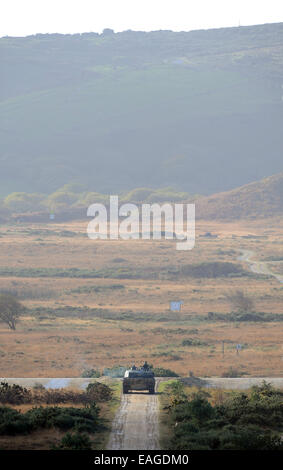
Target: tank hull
{"x": 138, "y": 384}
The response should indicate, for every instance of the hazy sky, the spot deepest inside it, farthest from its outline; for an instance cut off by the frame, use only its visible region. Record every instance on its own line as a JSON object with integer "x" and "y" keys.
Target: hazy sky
{"x": 24, "y": 17}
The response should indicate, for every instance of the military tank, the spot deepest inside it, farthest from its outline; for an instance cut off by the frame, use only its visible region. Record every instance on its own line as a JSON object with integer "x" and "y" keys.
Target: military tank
{"x": 139, "y": 379}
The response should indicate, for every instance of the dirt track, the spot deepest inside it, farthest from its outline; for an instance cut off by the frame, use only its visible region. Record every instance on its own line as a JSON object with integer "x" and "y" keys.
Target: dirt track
{"x": 260, "y": 267}
{"x": 136, "y": 423}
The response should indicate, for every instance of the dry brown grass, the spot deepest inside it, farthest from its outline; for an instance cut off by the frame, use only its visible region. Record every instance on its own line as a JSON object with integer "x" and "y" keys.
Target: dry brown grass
{"x": 63, "y": 347}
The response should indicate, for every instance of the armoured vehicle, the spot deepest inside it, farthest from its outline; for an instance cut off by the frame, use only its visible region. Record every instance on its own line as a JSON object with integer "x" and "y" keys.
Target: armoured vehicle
{"x": 139, "y": 379}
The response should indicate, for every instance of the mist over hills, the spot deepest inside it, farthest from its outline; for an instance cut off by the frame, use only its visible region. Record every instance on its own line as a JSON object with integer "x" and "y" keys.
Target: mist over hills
{"x": 200, "y": 111}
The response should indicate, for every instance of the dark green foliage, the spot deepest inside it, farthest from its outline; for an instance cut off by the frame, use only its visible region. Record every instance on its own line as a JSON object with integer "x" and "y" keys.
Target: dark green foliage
{"x": 161, "y": 372}
{"x": 74, "y": 441}
{"x": 91, "y": 373}
{"x": 13, "y": 422}
{"x": 82, "y": 419}
{"x": 243, "y": 317}
{"x": 193, "y": 342}
{"x": 198, "y": 410}
{"x": 228, "y": 438}
{"x": 245, "y": 421}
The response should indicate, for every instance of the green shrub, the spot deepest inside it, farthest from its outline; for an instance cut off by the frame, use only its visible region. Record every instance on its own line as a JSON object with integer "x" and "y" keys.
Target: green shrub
{"x": 245, "y": 421}
{"x": 243, "y": 317}
{"x": 161, "y": 372}
{"x": 13, "y": 422}
{"x": 192, "y": 342}
{"x": 115, "y": 371}
{"x": 82, "y": 419}
{"x": 91, "y": 373}
{"x": 74, "y": 441}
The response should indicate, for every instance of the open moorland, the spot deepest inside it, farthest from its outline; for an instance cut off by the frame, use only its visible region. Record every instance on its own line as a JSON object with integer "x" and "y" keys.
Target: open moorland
{"x": 96, "y": 304}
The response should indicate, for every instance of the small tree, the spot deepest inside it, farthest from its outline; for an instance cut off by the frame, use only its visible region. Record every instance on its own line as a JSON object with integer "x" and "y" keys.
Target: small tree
{"x": 240, "y": 302}
{"x": 10, "y": 310}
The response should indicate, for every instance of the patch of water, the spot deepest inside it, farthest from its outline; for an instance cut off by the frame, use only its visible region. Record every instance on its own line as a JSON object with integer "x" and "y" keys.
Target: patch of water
{"x": 57, "y": 383}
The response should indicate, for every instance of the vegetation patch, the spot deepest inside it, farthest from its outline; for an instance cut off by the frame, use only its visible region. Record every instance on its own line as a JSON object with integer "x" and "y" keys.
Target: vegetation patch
{"x": 213, "y": 270}
{"x": 17, "y": 395}
{"x": 193, "y": 342}
{"x": 74, "y": 441}
{"x": 245, "y": 317}
{"x": 244, "y": 421}
{"x": 13, "y": 422}
{"x": 163, "y": 372}
{"x": 91, "y": 373}
{"x": 90, "y": 289}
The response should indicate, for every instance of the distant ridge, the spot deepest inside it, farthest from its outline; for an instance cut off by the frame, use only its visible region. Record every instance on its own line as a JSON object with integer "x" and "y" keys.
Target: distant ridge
{"x": 200, "y": 111}
{"x": 262, "y": 198}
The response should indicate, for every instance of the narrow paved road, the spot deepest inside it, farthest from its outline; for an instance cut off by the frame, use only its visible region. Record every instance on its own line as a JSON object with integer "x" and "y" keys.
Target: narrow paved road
{"x": 259, "y": 267}
{"x": 136, "y": 423}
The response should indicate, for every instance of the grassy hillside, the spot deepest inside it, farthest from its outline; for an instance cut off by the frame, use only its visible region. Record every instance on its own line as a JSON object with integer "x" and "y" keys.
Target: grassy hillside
{"x": 259, "y": 199}
{"x": 200, "y": 111}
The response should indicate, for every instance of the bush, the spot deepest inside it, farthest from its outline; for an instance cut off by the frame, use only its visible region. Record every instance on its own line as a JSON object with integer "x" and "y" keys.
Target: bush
{"x": 91, "y": 373}
{"x": 229, "y": 438}
{"x": 115, "y": 372}
{"x": 243, "y": 317}
{"x": 10, "y": 310}
{"x": 82, "y": 419}
{"x": 161, "y": 372}
{"x": 198, "y": 410}
{"x": 98, "y": 392}
{"x": 24, "y": 202}
{"x": 192, "y": 342}
{"x": 240, "y": 301}
{"x": 244, "y": 421}
{"x": 14, "y": 394}
{"x": 12, "y": 422}
{"x": 75, "y": 441}
{"x": 212, "y": 269}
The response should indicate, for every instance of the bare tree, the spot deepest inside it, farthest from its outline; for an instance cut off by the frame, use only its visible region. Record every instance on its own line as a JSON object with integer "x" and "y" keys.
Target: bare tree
{"x": 10, "y": 310}
{"x": 240, "y": 302}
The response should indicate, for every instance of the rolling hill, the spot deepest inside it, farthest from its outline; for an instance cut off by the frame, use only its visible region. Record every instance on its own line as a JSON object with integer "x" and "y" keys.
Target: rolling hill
{"x": 200, "y": 111}
{"x": 255, "y": 200}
